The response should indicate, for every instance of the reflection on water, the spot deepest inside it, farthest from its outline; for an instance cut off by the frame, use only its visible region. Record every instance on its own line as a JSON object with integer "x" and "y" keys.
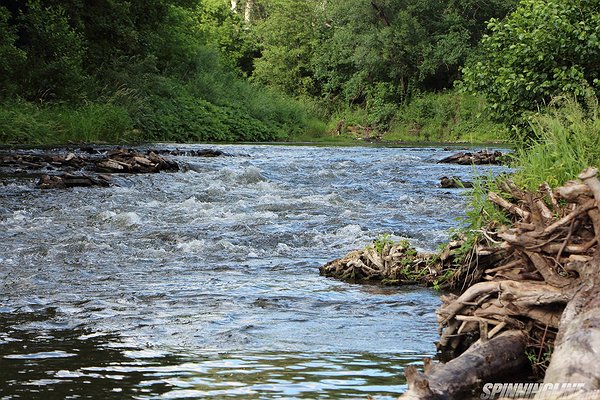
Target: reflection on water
{"x": 204, "y": 283}
{"x": 79, "y": 364}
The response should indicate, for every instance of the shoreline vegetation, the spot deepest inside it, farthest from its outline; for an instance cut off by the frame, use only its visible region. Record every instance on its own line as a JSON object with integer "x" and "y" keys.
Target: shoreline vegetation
{"x": 443, "y": 118}
{"x": 199, "y": 71}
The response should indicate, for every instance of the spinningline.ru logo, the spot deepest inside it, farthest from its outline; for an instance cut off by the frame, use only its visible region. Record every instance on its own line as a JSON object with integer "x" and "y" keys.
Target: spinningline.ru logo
{"x": 541, "y": 390}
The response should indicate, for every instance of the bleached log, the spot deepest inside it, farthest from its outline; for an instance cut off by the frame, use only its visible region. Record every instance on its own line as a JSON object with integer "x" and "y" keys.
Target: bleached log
{"x": 577, "y": 345}
{"x": 482, "y": 362}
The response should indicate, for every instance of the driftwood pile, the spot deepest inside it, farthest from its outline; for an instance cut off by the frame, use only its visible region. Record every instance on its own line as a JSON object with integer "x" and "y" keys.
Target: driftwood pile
{"x": 534, "y": 288}
{"x": 478, "y": 158}
{"x": 88, "y": 167}
{"x": 383, "y": 261}
{"x": 192, "y": 153}
{"x": 129, "y": 161}
{"x": 524, "y": 295}
{"x": 119, "y": 160}
{"x": 64, "y": 181}
{"x": 69, "y": 162}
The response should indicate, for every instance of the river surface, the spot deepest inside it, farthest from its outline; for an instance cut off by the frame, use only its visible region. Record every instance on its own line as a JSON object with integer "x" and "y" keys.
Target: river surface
{"x": 204, "y": 283}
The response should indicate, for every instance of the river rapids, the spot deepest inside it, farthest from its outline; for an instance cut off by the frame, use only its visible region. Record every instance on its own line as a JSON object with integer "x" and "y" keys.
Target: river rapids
{"x": 204, "y": 283}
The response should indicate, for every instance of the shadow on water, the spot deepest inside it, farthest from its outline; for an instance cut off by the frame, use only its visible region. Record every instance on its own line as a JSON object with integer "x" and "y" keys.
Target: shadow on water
{"x": 78, "y": 363}
{"x": 55, "y": 363}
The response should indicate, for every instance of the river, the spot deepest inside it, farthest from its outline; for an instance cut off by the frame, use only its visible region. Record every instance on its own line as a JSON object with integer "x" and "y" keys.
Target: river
{"x": 204, "y": 283}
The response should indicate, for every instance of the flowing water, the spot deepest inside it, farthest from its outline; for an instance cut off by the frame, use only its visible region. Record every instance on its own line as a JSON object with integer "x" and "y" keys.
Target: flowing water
{"x": 205, "y": 283}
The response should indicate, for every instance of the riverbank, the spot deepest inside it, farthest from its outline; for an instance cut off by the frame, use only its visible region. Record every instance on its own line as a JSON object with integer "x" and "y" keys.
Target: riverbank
{"x": 445, "y": 118}
{"x": 523, "y": 270}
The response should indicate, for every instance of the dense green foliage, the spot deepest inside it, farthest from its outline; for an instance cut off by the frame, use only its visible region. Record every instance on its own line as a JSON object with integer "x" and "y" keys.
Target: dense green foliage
{"x": 371, "y": 55}
{"x": 201, "y": 70}
{"x": 445, "y": 117}
{"x": 141, "y": 70}
{"x": 543, "y": 49}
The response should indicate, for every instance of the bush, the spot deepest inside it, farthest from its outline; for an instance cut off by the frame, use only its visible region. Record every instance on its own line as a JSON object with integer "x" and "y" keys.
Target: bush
{"x": 55, "y": 52}
{"x": 11, "y": 58}
{"x": 22, "y": 123}
{"x": 544, "y": 49}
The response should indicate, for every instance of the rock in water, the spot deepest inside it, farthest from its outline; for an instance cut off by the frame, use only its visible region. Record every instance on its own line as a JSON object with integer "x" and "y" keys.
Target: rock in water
{"x": 478, "y": 158}
{"x": 454, "y": 183}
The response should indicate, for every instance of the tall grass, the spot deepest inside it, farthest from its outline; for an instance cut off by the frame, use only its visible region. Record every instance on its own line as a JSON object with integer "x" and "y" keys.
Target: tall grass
{"x": 164, "y": 109}
{"x": 568, "y": 141}
{"x": 445, "y": 117}
{"x": 25, "y": 123}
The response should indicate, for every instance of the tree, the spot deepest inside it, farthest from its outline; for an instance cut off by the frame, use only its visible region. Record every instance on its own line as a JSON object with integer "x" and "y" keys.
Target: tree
{"x": 225, "y": 30}
{"x": 11, "y": 58}
{"x": 543, "y": 49}
{"x": 288, "y": 37}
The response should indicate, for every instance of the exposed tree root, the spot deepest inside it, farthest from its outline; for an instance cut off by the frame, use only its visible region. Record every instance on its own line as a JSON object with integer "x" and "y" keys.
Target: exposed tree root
{"x": 546, "y": 281}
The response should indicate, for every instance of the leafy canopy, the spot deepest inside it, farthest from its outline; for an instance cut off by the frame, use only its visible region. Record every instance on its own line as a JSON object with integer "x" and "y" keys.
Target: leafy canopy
{"x": 543, "y": 49}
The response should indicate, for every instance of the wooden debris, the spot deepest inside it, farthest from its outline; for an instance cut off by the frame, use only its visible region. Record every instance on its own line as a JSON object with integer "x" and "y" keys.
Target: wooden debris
{"x": 544, "y": 285}
{"x": 534, "y": 284}
{"x": 477, "y": 158}
{"x": 388, "y": 263}
{"x": 483, "y": 362}
{"x": 72, "y": 169}
{"x": 123, "y": 160}
{"x": 43, "y": 161}
{"x": 64, "y": 181}
{"x": 193, "y": 153}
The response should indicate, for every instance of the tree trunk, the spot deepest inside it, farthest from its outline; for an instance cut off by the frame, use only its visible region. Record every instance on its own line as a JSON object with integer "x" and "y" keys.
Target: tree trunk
{"x": 248, "y": 11}
{"x": 234, "y": 4}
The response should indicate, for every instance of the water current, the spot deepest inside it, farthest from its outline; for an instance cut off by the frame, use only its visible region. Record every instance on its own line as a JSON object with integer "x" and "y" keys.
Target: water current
{"x": 204, "y": 283}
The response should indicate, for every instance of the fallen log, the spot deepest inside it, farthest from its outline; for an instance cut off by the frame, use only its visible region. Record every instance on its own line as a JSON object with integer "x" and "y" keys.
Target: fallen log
{"x": 485, "y": 361}
{"x": 577, "y": 345}
{"x": 64, "y": 181}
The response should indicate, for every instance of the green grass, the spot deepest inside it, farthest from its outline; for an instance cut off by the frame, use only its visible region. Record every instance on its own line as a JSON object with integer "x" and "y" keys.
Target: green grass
{"x": 445, "y": 118}
{"x": 448, "y": 117}
{"x": 24, "y": 123}
{"x": 568, "y": 141}
{"x": 163, "y": 109}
